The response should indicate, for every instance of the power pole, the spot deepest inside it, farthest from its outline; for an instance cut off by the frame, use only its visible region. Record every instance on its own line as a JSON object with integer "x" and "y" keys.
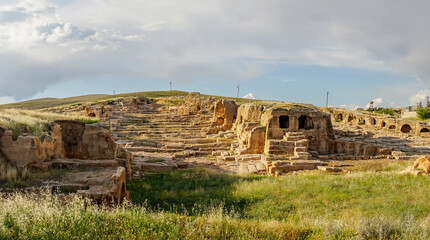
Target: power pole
{"x": 238, "y": 88}
{"x": 113, "y": 93}
{"x": 170, "y": 85}
{"x": 326, "y": 101}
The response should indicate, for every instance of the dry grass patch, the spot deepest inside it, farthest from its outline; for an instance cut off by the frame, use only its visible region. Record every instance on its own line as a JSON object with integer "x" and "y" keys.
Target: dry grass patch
{"x": 34, "y": 122}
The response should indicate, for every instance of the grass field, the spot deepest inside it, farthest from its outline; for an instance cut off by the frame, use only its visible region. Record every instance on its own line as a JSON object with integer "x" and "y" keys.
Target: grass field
{"x": 34, "y": 122}
{"x": 56, "y": 102}
{"x": 204, "y": 204}
{"x": 46, "y": 103}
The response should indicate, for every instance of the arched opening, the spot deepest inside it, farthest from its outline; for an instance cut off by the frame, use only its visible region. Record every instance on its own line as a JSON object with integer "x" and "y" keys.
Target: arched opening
{"x": 361, "y": 122}
{"x": 219, "y": 121}
{"x": 284, "y": 121}
{"x": 383, "y": 124}
{"x": 424, "y": 130}
{"x": 392, "y": 127}
{"x": 373, "y": 121}
{"x": 241, "y": 119}
{"x": 305, "y": 122}
{"x": 350, "y": 118}
{"x": 406, "y": 128}
{"x": 92, "y": 115}
{"x": 339, "y": 117}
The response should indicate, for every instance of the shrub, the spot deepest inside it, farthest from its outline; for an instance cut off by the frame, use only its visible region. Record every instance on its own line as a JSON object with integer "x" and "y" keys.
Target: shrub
{"x": 386, "y": 111}
{"x": 423, "y": 113}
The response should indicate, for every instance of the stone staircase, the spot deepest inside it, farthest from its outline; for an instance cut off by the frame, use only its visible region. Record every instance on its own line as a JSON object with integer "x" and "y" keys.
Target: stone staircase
{"x": 162, "y": 140}
{"x": 289, "y": 154}
{"x": 294, "y": 145}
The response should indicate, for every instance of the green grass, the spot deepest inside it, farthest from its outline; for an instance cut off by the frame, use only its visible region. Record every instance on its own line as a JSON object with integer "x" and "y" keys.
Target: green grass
{"x": 203, "y": 204}
{"x": 52, "y": 103}
{"x": 292, "y": 198}
{"x": 57, "y": 102}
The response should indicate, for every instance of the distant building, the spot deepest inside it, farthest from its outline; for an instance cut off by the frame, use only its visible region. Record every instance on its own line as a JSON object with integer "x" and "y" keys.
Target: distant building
{"x": 410, "y": 109}
{"x": 409, "y": 112}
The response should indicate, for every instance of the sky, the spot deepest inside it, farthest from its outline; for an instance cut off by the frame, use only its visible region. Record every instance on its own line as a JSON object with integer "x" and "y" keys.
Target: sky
{"x": 288, "y": 50}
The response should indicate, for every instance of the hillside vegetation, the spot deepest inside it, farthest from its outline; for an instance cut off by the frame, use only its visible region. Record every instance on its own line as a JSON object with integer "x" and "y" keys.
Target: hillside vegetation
{"x": 204, "y": 204}
{"x": 56, "y": 102}
{"x": 34, "y": 122}
{"x": 47, "y": 103}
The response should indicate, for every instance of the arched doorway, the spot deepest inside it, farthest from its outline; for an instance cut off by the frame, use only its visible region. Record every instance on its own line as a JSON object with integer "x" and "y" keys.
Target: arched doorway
{"x": 424, "y": 130}
{"x": 284, "y": 122}
{"x": 305, "y": 122}
{"x": 406, "y": 128}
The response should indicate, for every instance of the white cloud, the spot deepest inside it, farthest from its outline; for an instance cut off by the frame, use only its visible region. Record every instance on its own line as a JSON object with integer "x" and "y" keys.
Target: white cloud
{"x": 43, "y": 42}
{"x": 249, "y": 96}
{"x": 420, "y": 96}
{"x": 377, "y": 102}
{"x": 350, "y": 106}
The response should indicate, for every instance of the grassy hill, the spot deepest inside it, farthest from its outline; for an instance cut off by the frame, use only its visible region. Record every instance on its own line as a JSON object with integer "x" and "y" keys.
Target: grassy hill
{"x": 43, "y": 103}
{"x": 56, "y": 102}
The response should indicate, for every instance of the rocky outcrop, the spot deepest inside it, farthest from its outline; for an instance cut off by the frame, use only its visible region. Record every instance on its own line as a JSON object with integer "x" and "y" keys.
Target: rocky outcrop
{"x": 225, "y": 113}
{"x": 195, "y": 104}
{"x": 86, "y": 141}
{"x": 423, "y": 163}
{"x": 28, "y": 150}
{"x": 108, "y": 189}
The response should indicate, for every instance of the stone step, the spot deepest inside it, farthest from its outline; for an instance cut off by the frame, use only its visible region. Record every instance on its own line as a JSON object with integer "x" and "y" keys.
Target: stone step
{"x": 81, "y": 164}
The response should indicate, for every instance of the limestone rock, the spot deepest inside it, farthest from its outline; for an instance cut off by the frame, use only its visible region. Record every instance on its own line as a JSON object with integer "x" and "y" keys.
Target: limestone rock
{"x": 423, "y": 163}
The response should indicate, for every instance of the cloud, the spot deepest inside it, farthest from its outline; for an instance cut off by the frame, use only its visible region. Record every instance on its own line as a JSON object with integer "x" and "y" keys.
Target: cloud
{"x": 377, "y": 102}
{"x": 350, "y": 106}
{"x": 420, "y": 96}
{"x": 288, "y": 80}
{"x": 45, "y": 42}
{"x": 249, "y": 96}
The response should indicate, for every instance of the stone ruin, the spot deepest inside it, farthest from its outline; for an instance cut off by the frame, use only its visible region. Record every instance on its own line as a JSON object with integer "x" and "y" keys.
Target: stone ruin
{"x": 71, "y": 145}
{"x": 137, "y": 135}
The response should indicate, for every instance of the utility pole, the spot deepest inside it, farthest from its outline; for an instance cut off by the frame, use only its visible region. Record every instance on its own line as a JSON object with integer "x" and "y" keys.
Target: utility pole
{"x": 326, "y": 101}
{"x": 170, "y": 85}
{"x": 238, "y": 88}
{"x": 113, "y": 93}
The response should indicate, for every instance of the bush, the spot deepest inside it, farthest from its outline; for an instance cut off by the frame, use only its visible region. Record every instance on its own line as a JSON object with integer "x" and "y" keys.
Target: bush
{"x": 386, "y": 111}
{"x": 423, "y": 113}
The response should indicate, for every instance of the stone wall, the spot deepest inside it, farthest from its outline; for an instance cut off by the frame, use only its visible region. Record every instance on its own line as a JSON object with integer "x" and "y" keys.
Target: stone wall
{"x": 314, "y": 124}
{"x": 67, "y": 139}
{"x": 28, "y": 150}
{"x": 378, "y": 122}
{"x": 86, "y": 141}
{"x": 225, "y": 113}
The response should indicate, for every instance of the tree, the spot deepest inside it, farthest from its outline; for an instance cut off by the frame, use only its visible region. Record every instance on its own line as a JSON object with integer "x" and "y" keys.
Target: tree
{"x": 423, "y": 113}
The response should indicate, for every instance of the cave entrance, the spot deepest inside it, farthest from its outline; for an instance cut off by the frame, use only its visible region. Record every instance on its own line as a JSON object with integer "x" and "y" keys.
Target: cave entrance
{"x": 424, "y": 130}
{"x": 305, "y": 122}
{"x": 406, "y": 128}
{"x": 284, "y": 122}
